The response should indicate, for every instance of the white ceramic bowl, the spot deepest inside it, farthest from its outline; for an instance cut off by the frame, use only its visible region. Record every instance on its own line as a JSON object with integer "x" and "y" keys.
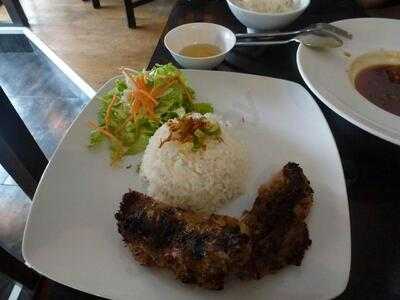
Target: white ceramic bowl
{"x": 199, "y": 33}
{"x": 258, "y": 21}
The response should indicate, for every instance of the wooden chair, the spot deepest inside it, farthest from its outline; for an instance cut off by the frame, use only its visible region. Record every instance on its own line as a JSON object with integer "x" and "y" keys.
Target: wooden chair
{"x": 130, "y": 6}
{"x": 16, "y": 12}
{"x": 23, "y": 159}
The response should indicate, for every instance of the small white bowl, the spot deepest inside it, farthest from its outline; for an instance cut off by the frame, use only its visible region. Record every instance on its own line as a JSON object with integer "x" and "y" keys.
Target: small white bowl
{"x": 259, "y": 21}
{"x": 199, "y": 33}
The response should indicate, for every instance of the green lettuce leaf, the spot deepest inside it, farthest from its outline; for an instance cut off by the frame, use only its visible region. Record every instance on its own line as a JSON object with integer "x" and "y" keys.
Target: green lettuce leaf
{"x": 161, "y": 74}
{"x": 95, "y": 139}
{"x": 131, "y": 137}
{"x": 120, "y": 86}
{"x": 138, "y": 134}
{"x": 203, "y": 108}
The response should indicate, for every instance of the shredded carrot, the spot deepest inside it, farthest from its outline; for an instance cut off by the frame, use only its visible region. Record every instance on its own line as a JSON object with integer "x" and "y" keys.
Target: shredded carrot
{"x": 158, "y": 91}
{"x": 112, "y": 137}
{"x": 106, "y": 133}
{"x": 108, "y": 112}
{"x": 142, "y": 100}
{"x": 132, "y": 97}
{"x": 147, "y": 95}
{"x": 188, "y": 95}
{"x": 139, "y": 82}
{"x": 124, "y": 124}
{"x": 137, "y": 102}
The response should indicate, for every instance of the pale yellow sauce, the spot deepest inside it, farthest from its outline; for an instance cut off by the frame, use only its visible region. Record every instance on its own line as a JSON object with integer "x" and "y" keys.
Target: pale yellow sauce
{"x": 200, "y": 50}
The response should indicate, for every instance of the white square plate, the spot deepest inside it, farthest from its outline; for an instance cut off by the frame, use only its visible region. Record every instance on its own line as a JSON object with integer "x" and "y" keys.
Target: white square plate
{"x": 71, "y": 235}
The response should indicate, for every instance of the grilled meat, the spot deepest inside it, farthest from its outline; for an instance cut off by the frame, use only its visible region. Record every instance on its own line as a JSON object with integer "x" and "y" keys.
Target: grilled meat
{"x": 205, "y": 249}
{"x": 276, "y": 225}
{"x": 198, "y": 248}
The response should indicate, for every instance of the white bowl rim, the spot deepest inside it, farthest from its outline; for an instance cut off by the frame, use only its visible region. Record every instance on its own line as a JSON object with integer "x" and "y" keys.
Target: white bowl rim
{"x": 299, "y": 9}
{"x": 205, "y": 57}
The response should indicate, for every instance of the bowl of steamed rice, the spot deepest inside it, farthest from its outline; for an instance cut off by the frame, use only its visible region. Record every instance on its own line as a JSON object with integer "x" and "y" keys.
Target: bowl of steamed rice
{"x": 195, "y": 162}
{"x": 264, "y": 15}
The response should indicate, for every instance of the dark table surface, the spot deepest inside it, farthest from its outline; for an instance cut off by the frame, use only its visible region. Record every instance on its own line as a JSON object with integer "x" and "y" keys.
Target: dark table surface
{"x": 371, "y": 164}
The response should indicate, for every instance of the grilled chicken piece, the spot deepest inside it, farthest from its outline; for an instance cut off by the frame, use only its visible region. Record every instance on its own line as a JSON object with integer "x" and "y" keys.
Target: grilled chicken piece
{"x": 276, "y": 225}
{"x": 204, "y": 250}
{"x": 200, "y": 249}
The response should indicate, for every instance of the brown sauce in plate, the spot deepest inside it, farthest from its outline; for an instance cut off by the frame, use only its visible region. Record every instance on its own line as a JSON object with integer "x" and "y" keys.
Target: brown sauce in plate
{"x": 381, "y": 86}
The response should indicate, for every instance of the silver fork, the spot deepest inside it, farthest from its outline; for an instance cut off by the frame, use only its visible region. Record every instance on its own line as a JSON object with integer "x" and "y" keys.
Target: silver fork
{"x": 314, "y": 27}
{"x": 320, "y": 39}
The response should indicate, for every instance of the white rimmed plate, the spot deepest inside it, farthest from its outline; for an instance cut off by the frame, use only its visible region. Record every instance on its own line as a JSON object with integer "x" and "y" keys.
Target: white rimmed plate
{"x": 71, "y": 235}
{"x": 326, "y": 74}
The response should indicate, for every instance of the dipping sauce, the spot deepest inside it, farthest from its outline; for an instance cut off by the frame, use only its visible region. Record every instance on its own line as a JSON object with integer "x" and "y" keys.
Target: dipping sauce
{"x": 200, "y": 50}
{"x": 381, "y": 85}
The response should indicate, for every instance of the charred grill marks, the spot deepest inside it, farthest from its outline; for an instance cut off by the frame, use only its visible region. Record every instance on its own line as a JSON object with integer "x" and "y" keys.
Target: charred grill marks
{"x": 204, "y": 250}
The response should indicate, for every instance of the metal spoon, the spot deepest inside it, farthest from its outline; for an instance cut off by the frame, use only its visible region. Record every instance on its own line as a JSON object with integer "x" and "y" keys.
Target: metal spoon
{"x": 312, "y": 28}
{"x": 315, "y": 39}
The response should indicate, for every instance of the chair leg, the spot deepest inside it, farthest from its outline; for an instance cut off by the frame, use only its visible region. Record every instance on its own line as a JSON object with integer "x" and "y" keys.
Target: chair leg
{"x": 16, "y": 12}
{"x": 20, "y": 156}
{"x": 17, "y": 270}
{"x": 96, "y": 3}
{"x": 130, "y": 13}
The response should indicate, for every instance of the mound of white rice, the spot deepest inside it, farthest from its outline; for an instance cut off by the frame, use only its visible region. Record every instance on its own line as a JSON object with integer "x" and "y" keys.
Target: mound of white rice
{"x": 268, "y": 6}
{"x": 202, "y": 180}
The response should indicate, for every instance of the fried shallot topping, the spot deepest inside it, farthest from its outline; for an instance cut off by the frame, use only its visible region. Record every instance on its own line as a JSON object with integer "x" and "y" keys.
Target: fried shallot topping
{"x": 190, "y": 129}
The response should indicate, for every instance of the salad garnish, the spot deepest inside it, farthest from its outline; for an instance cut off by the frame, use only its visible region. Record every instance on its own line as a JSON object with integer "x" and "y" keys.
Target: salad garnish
{"x": 132, "y": 111}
